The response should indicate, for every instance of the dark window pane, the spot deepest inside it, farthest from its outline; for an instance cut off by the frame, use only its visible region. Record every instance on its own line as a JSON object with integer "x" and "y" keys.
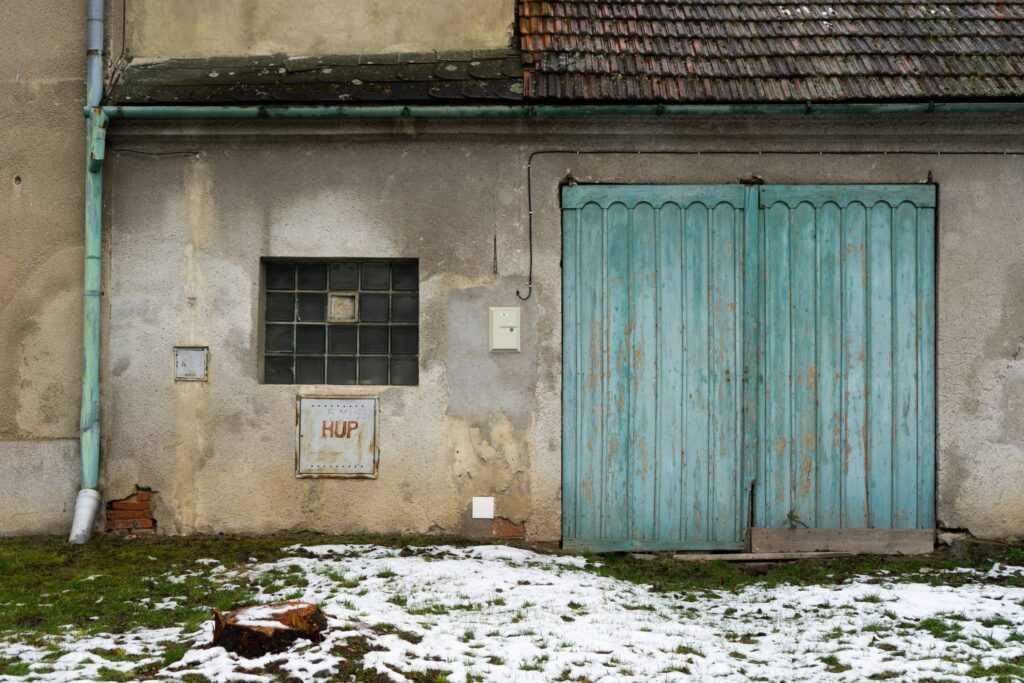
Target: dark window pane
{"x": 375, "y": 276}
{"x": 278, "y": 338}
{"x": 312, "y": 276}
{"x": 309, "y": 338}
{"x": 341, "y": 370}
{"x": 341, "y": 339}
{"x": 309, "y": 370}
{"x": 404, "y": 276}
{"x": 373, "y": 308}
{"x": 404, "y": 371}
{"x": 311, "y": 307}
{"x": 345, "y": 276}
{"x": 404, "y": 339}
{"x": 277, "y": 370}
{"x": 280, "y": 275}
{"x": 405, "y": 308}
{"x": 280, "y": 306}
{"x": 373, "y": 370}
{"x": 373, "y": 339}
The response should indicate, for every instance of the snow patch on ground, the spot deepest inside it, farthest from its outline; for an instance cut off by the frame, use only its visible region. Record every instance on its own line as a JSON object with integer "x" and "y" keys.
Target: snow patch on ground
{"x": 505, "y": 614}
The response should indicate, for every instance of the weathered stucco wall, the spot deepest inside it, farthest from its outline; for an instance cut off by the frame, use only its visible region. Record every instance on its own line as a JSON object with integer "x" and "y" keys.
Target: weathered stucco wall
{"x": 42, "y": 90}
{"x": 207, "y": 28}
{"x": 187, "y": 232}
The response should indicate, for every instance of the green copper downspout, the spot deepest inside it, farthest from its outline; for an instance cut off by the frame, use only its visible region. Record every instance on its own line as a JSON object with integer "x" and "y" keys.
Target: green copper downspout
{"x": 90, "y": 417}
{"x": 88, "y": 501}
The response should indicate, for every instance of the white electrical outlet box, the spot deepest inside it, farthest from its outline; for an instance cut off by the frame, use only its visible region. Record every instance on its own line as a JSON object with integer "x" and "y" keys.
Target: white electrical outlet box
{"x": 483, "y": 507}
{"x": 190, "y": 363}
{"x": 503, "y": 332}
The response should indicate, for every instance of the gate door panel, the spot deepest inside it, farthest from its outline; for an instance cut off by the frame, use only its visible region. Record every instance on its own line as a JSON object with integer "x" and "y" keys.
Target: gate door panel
{"x": 847, "y": 357}
{"x": 654, "y": 329}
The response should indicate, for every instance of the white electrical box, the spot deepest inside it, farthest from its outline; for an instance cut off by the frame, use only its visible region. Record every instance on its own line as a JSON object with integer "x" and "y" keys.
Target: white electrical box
{"x": 190, "y": 363}
{"x": 483, "y": 507}
{"x": 337, "y": 437}
{"x": 503, "y": 334}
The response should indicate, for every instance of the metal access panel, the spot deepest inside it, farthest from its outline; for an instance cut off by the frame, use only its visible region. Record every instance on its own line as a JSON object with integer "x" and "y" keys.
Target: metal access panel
{"x": 337, "y": 437}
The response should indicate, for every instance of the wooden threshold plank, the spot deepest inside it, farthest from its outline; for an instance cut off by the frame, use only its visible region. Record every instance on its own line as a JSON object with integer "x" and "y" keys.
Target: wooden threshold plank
{"x": 866, "y": 541}
{"x": 755, "y": 557}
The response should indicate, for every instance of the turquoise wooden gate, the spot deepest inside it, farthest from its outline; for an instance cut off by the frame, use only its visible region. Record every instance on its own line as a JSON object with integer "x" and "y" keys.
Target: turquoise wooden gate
{"x": 724, "y": 344}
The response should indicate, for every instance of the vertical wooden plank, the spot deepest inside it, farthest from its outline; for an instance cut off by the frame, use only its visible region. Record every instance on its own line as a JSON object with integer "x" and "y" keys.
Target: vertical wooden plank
{"x": 829, "y": 321}
{"x": 723, "y": 374}
{"x": 617, "y": 407}
{"x": 926, "y": 368}
{"x": 750, "y": 413}
{"x": 905, "y": 355}
{"x": 879, "y": 326}
{"x": 571, "y": 338}
{"x": 778, "y": 346}
{"x": 695, "y": 358}
{"x": 592, "y": 358}
{"x": 854, "y": 362}
{"x": 805, "y": 369}
{"x": 643, "y": 390}
{"x": 670, "y": 372}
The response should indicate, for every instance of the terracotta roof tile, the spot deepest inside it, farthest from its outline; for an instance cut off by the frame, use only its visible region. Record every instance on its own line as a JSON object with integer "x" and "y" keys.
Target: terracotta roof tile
{"x": 771, "y": 50}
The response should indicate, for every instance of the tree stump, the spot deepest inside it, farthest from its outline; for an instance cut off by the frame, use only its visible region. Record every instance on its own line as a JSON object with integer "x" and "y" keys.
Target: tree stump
{"x": 258, "y": 630}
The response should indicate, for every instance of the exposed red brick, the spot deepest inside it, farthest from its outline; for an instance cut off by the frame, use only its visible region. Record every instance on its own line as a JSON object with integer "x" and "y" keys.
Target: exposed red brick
{"x": 129, "y": 505}
{"x": 132, "y": 513}
{"x": 505, "y": 528}
{"x": 127, "y": 514}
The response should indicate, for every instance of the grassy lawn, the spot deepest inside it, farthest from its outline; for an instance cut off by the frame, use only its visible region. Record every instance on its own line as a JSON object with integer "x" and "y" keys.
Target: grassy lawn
{"x": 115, "y": 586}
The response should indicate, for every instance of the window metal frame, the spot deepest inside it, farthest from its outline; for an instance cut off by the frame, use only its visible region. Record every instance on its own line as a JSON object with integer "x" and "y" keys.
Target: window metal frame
{"x": 389, "y": 324}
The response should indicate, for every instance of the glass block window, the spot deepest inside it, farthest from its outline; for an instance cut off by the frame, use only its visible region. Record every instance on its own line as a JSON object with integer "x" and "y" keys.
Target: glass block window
{"x": 341, "y": 322}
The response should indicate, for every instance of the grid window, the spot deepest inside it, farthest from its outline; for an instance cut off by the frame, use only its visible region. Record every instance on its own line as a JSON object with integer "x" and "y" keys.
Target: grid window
{"x": 341, "y": 322}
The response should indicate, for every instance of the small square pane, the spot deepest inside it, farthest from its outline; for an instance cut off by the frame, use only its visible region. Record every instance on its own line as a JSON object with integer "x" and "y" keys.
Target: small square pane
{"x": 309, "y": 370}
{"x": 341, "y": 339}
{"x": 375, "y": 275}
{"x": 404, "y": 339}
{"x": 280, "y": 306}
{"x": 373, "y": 308}
{"x": 345, "y": 276}
{"x": 312, "y": 276}
{"x": 277, "y": 370}
{"x": 341, "y": 308}
{"x": 405, "y": 276}
{"x": 280, "y": 275}
{"x": 373, "y": 370}
{"x": 278, "y": 338}
{"x": 404, "y": 371}
{"x": 310, "y": 338}
{"x": 341, "y": 370}
{"x": 311, "y": 307}
{"x": 373, "y": 339}
{"x": 405, "y": 308}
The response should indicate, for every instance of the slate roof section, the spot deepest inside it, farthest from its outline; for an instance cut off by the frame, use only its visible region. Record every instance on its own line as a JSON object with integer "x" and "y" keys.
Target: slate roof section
{"x": 478, "y": 76}
{"x": 732, "y": 51}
